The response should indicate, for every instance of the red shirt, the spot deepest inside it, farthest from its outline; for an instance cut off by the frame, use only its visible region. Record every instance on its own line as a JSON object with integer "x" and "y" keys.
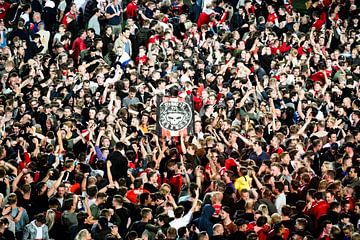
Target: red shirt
{"x": 154, "y": 38}
{"x": 284, "y": 48}
{"x": 278, "y": 151}
{"x": 302, "y": 50}
{"x": 142, "y": 59}
{"x": 176, "y": 182}
{"x": 77, "y": 47}
{"x": 328, "y": 72}
{"x": 262, "y": 232}
{"x": 131, "y": 10}
{"x": 64, "y": 21}
{"x": 272, "y": 17}
{"x": 204, "y": 18}
{"x": 4, "y": 7}
{"x": 320, "y": 22}
{"x": 76, "y": 188}
{"x": 197, "y": 103}
{"x": 133, "y": 194}
{"x": 319, "y": 209}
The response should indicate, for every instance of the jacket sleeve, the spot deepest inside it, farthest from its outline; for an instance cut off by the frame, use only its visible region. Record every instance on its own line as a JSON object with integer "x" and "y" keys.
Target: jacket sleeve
{"x": 99, "y": 153}
{"x": 46, "y": 233}
{"x": 26, "y": 234}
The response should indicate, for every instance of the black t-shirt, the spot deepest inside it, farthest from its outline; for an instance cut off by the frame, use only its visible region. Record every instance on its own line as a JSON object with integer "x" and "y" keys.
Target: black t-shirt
{"x": 138, "y": 227}
{"x": 246, "y": 216}
{"x": 151, "y": 188}
{"x": 3, "y": 188}
{"x": 7, "y": 235}
{"x": 124, "y": 215}
{"x": 289, "y": 224}
{"x": 119, "y": 165}
{"x": 40, "y": 203}
{"x": 237, "y": 235}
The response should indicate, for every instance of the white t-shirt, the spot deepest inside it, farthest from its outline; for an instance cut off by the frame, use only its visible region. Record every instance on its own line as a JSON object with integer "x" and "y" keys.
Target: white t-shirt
{"x": 280, "y": 201}
{"x": 181, "y": 222}
{"x": 39, "y": 232}
{"x": 25, "y": 17}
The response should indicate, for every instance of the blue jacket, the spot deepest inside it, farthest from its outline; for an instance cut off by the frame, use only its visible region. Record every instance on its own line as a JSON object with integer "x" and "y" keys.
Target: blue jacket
{"x": 30, "y": 232}
{"x": 204, "y": 221}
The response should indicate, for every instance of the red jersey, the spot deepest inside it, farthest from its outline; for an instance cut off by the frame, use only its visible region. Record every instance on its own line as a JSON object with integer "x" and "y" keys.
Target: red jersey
{"x": 204, "y": 18}
{"x": 320, "y": 22}
{"x": 142, "y": 59}
{"x": 319, "y": 209}
{"x": 131, "y": 10}
{"x": 176, "y": 182}
{"x": 64, "y": 21}
{"x": 4, "y": 9}
{"x": 133, "y": 194}
{"x": 272, "y": 17}
{"x": 78, "y": 46}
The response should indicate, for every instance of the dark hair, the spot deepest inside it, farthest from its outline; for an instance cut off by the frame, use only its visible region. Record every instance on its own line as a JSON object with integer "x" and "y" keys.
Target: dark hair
{"x": 311, "y": 192}
{"x": 53, "y": 202}
{"x": 279, "y": 186}
{"x": 143, "y": 197}
{"x": 178, "y": 212}
{"x": 81, "y": 217}
{"x": 68, "y": 204}
{"x": 164, "y": 218}
{"x": 286, "y": 210}
{"x": 261, "y": 221}
{"x": 40, "y": 218}
{"x": 119, "y": 146}
{"x": 181, "y": 232}
{"x": 132, "y": 89}
{"x": 334, "y": 205}
{"x": 92, "y": 191}
{"x": 138, "y": 182}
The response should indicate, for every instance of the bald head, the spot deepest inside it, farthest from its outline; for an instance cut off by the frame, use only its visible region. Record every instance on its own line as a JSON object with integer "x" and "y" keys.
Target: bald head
{"x": 218, "y": 229}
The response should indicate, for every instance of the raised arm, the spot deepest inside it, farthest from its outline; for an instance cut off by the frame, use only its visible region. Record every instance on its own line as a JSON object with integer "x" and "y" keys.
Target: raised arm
{"x": 108, "y": 172}
{"x": 60, "y": 141}
{"x": 182, "y": 144}
{"x": 57, "y": 183}
{"x": 257, "y": 182}
{"x": 16, "y": 181}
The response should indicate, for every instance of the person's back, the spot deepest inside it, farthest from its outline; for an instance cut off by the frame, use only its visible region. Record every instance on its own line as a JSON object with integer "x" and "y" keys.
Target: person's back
{"x": 20, "y": 32}
{"x": 90, "y": 9}
{"x": 138, "y": 227}
{"x": 119, "y": 165}
{"x": 123, "y": 214}
{"x": 68, "y": 219}
{"x": 204, "y": 221}
{"x": 142, "y": 36}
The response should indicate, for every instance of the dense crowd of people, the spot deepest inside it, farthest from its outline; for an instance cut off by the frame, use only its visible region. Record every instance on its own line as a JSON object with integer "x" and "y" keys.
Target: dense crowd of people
{"x": 275, "y": 153}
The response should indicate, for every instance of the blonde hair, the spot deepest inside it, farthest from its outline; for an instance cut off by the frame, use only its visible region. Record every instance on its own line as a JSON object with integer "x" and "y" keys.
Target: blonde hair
{"x": 50, "y": 218}
{"x": 264, "y": 209}
{"x": 68, "y": 124}
{"x": 275, "y": 218}
{"x": 216, "y": 197}
{"x": 82, "y": 235}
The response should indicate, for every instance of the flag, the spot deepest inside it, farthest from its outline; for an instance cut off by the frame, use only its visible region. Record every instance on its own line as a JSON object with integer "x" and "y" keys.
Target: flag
{"x": 174, "y": 116}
